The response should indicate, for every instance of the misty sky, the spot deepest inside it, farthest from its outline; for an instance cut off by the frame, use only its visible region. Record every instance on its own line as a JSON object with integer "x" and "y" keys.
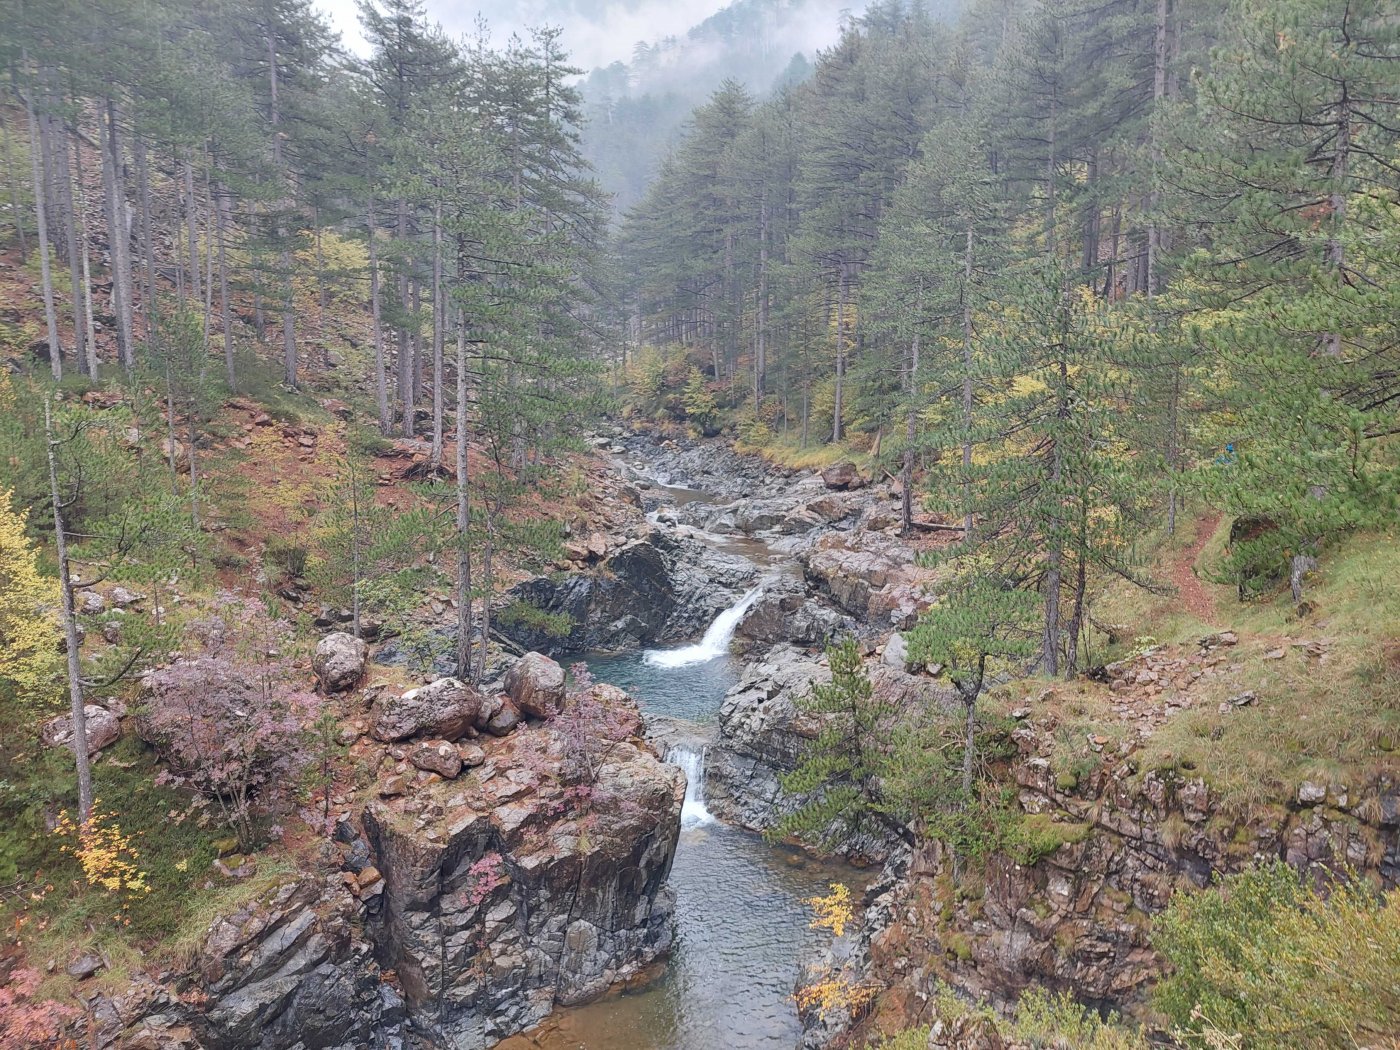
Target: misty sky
{"x": 596, "y": 32}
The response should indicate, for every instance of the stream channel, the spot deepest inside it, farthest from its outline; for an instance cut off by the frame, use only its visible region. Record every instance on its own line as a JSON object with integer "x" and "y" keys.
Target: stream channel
{"x": 741, "y": 921}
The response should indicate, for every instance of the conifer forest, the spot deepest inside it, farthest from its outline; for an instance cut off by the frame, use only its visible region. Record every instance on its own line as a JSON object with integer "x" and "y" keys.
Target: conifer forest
{"x": 625, "y": 526}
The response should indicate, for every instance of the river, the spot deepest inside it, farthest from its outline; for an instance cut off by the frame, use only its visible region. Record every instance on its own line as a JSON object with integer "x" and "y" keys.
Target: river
{"x": 741, "y": 917}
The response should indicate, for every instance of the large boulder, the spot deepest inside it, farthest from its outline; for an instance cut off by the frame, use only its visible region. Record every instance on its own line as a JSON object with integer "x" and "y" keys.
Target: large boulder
{"x": 536, "y": 685}
{"x": 842, "y": 477}
{"x": 871, "y": 575}
{"x": 103, "y": 728}
{"x": 447, "y": 709}
{"x": 340, "y": 661}
{"x": 437, "y": 756}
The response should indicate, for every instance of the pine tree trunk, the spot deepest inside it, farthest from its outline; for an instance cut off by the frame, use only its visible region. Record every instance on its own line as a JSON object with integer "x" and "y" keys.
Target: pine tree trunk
{"x": 911, "y": 435}
{"x": 120, "y": 243}
{"x": 192, "y": 227}
{"x": 760, "y": 363}
{"x": 192, "y": 429}
{"x": 77, "y": 704}
{"x": 439, "y": 320}
{"x": 41, "y": 223}
{"x": 15, "y": 210}
{"x": 85, "y": 260}
{"x": 463, "y": 521}
{"x": 840, "y": 355}
{"x": 967, "y": 388}
{"x": 225, "y": 309}
{"x": 381, "y": 382}
{"x": 407, "y": 403}
{"x": 64, "y": 179}
{"x": 148, "y": 241}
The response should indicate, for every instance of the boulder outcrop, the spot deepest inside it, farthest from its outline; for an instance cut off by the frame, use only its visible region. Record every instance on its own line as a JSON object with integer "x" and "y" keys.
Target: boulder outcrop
{"x": 103, "y": 729}
{"x": 506, "y": 895}
{"x": 658, "y": 589}
{"x": 536, "y": 685}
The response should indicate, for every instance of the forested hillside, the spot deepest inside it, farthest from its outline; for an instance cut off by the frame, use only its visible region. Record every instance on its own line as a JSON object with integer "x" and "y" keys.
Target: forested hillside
{"x": 638, "y": 110}
{"x": 969, "y": 451}
{"x": 1081, "y": 260}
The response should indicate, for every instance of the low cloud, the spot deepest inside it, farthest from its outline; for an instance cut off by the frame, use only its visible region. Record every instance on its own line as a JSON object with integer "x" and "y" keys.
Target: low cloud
{"x": 596, "y": 32}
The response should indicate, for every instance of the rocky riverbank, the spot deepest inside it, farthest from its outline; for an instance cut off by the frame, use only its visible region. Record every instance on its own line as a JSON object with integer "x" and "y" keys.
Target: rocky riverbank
{"x": 510, "y": 857}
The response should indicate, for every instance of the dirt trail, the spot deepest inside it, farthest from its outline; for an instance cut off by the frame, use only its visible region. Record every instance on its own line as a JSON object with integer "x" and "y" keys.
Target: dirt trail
{"x": 1194, "y": 595}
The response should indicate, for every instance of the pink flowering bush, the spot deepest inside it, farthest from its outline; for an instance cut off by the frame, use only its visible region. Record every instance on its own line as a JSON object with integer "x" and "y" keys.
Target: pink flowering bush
{"x": 484, "y": 877}
{"x": 229, "y": 717}
{"x": 589, "y": 727}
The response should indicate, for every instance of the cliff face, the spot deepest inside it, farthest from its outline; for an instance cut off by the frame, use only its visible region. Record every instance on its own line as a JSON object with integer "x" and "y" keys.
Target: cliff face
{"x": 482, "y": 892}
{"x": 505, "y": 896}
{"x": 1103, "y": 853}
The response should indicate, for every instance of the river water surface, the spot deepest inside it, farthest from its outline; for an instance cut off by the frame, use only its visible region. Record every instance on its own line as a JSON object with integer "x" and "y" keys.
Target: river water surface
{"x": 741, "y": 912}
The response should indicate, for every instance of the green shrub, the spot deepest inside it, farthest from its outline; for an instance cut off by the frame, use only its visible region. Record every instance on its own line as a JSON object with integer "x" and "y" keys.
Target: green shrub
{"x": 524, "y": 614}
{"x": 1057, "y": 1020}
{"x": 1037, "y": 835}
{"x": 287, "y": 556}
{"x": 1265, "y": 960}
{"x": 364, "y": 441}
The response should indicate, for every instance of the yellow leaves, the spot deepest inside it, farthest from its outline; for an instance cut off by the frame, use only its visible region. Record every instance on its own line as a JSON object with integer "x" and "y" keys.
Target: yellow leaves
{"x": 29, "y": 656}
{"x": 834, "y": 911}
{"x": 104, "y": 851}
{"x": 835, "y": 993}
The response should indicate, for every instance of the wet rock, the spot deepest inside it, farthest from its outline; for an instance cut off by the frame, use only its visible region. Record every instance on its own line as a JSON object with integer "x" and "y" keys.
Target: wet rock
{"x": 103, "y": 729}
{"x": 447, "y": 708}
{"x": 536, "y": 685}
{"x": 662, "y": 588}
{"x": 785, "y": 613}
{"x": 502, "y": 908}
{"x": 339, "y": 661}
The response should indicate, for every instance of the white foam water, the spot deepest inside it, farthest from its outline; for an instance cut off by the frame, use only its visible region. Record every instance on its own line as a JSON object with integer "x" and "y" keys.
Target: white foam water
{"x": 714, "y": 644}
{"x": 692, "y": 763}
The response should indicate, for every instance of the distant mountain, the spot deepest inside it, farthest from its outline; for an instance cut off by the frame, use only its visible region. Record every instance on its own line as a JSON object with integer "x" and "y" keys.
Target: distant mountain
{"x": 637, "y": 108}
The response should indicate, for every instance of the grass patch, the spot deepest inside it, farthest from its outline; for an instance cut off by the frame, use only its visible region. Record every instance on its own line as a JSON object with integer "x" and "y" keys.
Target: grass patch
{"x": 789, "y": 452}
{"x": 53, "y": 912}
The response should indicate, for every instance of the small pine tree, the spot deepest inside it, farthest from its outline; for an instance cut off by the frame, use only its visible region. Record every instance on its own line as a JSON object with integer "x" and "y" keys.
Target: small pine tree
{"x": 839, "y": 775}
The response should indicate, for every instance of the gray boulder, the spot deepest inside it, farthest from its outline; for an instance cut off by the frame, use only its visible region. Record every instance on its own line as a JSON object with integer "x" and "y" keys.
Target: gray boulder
{"x": 103, "y": 729}
{"x": 340, "y": 661}
{"x": 536, "y": 685}
{"x": 447, "y": 708}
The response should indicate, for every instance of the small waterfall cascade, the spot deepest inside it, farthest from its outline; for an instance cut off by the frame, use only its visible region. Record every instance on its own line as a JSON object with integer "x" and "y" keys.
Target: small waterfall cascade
{"x": 692, "y": 763}
{"x": 716, "y": 640}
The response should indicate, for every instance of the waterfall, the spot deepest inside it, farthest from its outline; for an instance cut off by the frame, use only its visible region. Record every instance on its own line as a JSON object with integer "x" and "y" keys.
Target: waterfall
{"x": 693, "y": 811}
{"x": 716, "y": 640}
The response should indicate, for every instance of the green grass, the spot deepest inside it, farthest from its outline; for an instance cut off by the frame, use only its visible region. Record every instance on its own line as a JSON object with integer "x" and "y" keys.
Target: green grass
{"x": 1334, "y": 721}
{"x": 55, "y": 913}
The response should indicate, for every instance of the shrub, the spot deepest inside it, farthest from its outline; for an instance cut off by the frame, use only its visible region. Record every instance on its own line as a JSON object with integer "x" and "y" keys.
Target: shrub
{"x": 288, "y": 557}
{"x": 230, "y": 718}
{"x": 1268, "y": 960}
{"x": 1057, "y": 1020}
{"x": 527, "y": 615}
